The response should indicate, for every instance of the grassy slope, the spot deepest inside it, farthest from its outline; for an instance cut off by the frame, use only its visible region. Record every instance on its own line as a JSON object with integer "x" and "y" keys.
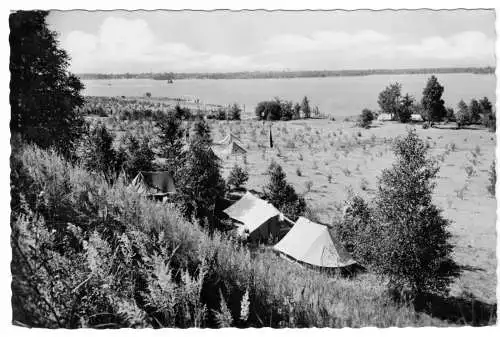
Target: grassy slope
{"x": 281, "y": 293}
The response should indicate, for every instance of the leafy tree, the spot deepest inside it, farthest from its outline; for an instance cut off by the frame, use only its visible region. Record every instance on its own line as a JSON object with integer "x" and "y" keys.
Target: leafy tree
{"x": 406, "y": 108}
{"x": 96, "y": 153}
{"x": 462, "y": 116}
{"x": 268, "y": 110}
{"x": 43, "y": 94}
{"x": 413, "y": 242}
{"x": 296, "y": 111}
{"x": 486, "y": 106}
{"x": 281, "y": 194}
{"x": 237, "y": 177}
{"x": 202, "y": 130}
{"x": 137, "y": 156}
{"x": 235, "y": 112}
{"x": 366, "y": 118}
{"x": 450, "y": 114}
{"x": 306, "y": 109}
{"x": 199, "y": 182}
{"x": 474, "y": 111}
{"x": 286, "y": 110}
{"x": 388, "y": 100}
{"x": 182, "y": 113}
{"x": 432, "y": 102}
{"x": 171, "y": 141}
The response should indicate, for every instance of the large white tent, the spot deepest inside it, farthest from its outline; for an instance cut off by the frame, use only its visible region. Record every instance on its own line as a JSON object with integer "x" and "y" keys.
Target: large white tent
{"x": 259, "y": 219}
{"x": 312, "y": 243}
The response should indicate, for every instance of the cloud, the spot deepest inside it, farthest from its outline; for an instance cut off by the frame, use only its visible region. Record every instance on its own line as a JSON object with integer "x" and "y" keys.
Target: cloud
{"x": 130, "y": 45}
{"x": 324, "y": 41}
{"x": 465, "y": 45}
{"x": 123, "y": 45}
{"x": 362, "y": 45}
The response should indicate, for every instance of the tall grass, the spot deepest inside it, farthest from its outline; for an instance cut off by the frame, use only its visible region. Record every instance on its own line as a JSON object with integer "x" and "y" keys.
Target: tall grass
{"x": 211, "y": 275}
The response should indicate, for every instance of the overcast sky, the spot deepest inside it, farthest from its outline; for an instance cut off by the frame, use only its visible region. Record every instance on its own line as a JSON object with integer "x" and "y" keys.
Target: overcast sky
{"x": 121, "y": 41}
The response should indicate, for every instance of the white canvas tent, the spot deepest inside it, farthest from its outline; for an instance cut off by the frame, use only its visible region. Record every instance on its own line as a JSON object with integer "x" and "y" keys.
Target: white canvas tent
{"x": 312, "y": 243}
{"x": 259, "y": 219}
{"x": 384, "y": 117}
{"x": 230, "y": 145}
{"x": 228, "y": 139}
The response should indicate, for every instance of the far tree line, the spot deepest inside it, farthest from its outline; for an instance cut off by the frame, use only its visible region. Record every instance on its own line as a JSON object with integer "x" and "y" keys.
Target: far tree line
{"x": 431, "y": 107}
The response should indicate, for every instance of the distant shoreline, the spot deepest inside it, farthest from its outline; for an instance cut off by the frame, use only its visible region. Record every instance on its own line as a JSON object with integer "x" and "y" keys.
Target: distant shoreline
{"x": 289, "y": 74}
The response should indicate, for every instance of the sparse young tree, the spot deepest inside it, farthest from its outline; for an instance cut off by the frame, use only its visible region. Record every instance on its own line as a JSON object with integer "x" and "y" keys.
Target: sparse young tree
{"x": 486, "y": 106}
{"x": 413, "y": 242}
{"x": 281, "y": 194}
{"x": 432, "y": 102}
{"x": 306, "y": 109}
{"x": 388, "y": 100}
{"x": 462, "y": 116}
{"x": 43, "y": 94}
{"x": 492, "y": 178}
{"x": 237, "y": 177}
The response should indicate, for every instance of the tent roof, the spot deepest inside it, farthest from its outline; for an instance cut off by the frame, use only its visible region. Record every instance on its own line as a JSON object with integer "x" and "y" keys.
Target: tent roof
{"x": 228, "y": 139}
{"x": 155, "y": 183}
{"x": 251, "y": 211}
{"x": 312, "y": 243}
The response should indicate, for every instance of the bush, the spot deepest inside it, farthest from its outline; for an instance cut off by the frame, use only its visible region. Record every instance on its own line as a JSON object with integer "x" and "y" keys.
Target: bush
{"x": 366, "y": 118}
{"x": 353, "y": 232}
{"x": 237, "y": 177}
{"x": 268, "y": 110}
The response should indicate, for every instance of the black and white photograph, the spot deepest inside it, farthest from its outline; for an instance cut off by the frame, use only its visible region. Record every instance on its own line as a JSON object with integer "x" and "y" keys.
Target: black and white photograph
{"x": 252, "y": 168}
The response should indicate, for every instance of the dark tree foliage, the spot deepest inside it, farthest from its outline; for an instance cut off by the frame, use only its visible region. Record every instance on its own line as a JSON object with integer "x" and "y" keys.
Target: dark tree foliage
{"x": 486, "y": 106}
{"x": 43, "y": 95}
{"x": 182, "y": 113}
{"x": 388, "y": 99}
{"x": 171, "y": 138}
{"x": 199, "y": 182}
{"x": 366, "y": 118}
{"x": 406, "y": 108}
{"x": 281, "y": 194}
{"x": 355, "y": 232}
{"x": 286, "y": 110}
{"x": 235, "y": 112}
{"x": 413, "y": 242}
{"x": 268, "y": 110}
{"x": 432, "y": 102}
{"x": 475, "y": 111}
{"x": 137, "y": 156}
{"x": 305, "y": 107}
{"x": 296, "y": 111}
{"x": 202, "y": 131}
{"x": 96, "y": 154}
{"x": 237, "y": 177}
{"x": 462, "y": 116}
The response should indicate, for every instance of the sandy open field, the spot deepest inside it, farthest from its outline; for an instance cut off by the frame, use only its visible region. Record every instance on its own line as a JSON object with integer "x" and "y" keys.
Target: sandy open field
{"x": 337, "y": 157}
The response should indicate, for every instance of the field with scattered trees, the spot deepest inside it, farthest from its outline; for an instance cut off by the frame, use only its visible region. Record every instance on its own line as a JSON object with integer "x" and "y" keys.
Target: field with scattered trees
{"x": 413, "y": 202}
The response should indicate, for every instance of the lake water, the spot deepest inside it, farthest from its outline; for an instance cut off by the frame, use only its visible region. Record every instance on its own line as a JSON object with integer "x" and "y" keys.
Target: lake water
{"x": 335, "y": 96}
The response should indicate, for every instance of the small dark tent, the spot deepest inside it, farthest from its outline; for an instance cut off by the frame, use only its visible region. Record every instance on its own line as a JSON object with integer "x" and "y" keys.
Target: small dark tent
{"x": 154, "y": 184}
